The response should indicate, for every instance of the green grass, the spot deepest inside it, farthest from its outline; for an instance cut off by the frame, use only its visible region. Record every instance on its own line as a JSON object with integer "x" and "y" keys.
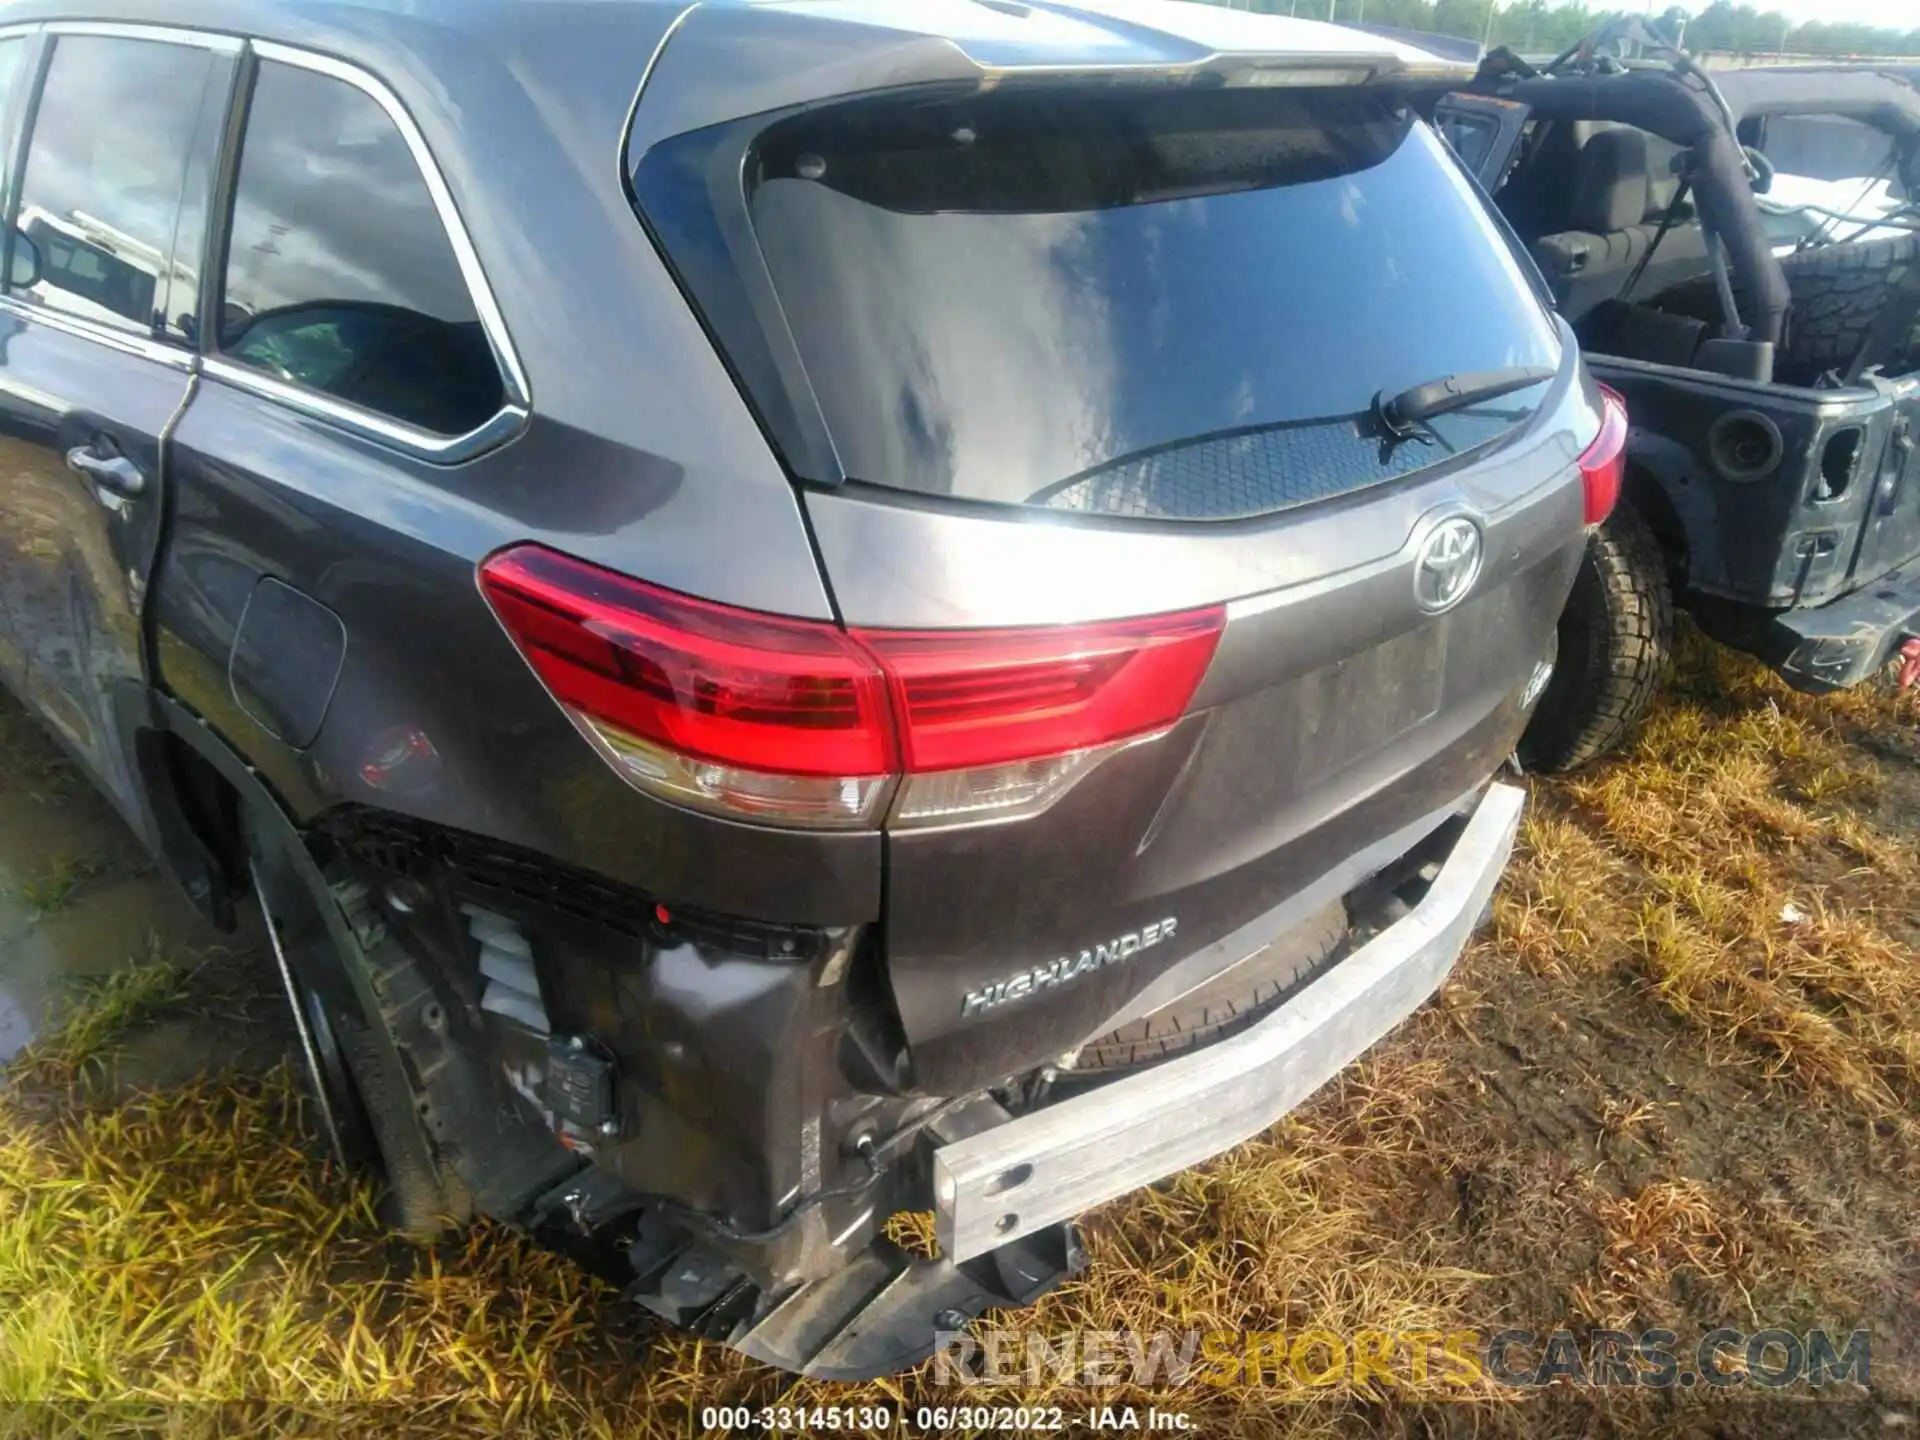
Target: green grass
{"x": 54, "y": 888}
{"x": 95, "y": 1019}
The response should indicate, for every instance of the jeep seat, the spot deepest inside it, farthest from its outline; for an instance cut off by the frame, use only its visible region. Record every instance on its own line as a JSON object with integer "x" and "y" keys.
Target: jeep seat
{"x": 1614, "y": 214}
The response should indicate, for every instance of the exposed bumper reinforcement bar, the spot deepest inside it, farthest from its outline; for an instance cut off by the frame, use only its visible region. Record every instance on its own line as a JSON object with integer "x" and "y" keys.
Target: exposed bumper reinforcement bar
{"x": 1012, "y": 1179}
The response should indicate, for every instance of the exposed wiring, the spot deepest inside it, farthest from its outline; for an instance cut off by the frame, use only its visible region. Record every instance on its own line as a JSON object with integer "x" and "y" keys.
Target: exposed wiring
{"x": 1820, "y": 235}
{"x": 886, "y": 1145}
{"x": 721, "y": 1229}
{"x": 871, "y": 1150}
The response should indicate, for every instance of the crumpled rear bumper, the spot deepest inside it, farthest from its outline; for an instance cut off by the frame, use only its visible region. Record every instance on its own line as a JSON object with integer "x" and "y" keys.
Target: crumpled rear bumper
{"x": 1007, "y": 1181}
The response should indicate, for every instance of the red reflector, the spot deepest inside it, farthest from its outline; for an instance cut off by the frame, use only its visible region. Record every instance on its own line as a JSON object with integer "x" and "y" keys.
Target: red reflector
{"x": 789, "y": 697}
{"x": 1604, "y": 464}
{"x": 976, "y": 697}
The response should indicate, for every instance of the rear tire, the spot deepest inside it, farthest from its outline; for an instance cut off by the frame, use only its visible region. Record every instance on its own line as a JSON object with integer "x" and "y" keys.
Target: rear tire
{"x": 1614, "y": 638}
{"x": 371, "y": 1109}
{"x": 1224, "y": 1005}
{"x": 415, "y": 1204}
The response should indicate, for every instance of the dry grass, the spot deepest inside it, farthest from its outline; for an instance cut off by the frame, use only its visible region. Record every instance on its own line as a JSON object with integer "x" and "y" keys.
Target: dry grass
{"x": 1736, "y": 876}
{"x": 185, "y": 1247}
{"x": 1678, "y": 1085}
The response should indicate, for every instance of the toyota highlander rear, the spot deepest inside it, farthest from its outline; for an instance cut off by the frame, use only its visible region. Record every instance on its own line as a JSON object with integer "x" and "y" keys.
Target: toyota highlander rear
{"x": 1191, "y": 473}
{"x": 809, "y": 619}
{"x": 1196, "y": 473}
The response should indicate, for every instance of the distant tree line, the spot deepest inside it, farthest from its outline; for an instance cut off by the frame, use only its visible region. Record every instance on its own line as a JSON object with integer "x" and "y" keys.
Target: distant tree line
{"x": 1535, "y": 25}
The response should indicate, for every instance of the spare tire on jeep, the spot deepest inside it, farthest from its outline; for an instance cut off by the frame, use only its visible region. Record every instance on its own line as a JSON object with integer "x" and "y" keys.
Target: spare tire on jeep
{"x": 1836, "y": 290}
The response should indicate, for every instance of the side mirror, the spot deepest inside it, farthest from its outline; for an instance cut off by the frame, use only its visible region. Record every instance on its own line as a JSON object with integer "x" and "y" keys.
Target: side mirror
{"x": 23, "y": 269}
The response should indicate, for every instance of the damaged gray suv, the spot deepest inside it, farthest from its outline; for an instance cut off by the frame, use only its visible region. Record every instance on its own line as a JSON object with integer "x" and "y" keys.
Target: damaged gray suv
{"x": 794, "y": 612}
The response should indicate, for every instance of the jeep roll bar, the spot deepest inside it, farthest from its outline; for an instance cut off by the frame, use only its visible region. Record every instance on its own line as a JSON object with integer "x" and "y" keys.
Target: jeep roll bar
{"x": 1681, "y": 103}
{"x": 1667, "y": 104}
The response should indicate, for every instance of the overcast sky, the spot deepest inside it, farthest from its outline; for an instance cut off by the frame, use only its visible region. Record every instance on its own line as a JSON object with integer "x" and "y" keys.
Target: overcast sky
{"x": 1897, "y": 14}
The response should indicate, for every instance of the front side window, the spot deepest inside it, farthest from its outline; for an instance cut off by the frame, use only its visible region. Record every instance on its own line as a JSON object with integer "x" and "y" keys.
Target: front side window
{"x": 340, "y": 277}
{"x": 105, "y": 167}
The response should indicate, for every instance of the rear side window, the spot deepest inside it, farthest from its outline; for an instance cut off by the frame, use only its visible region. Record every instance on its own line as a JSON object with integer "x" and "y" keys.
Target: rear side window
{"x": 105, "y": 167}
{"x": 340, "y": 277}
{"x": 1178, "y": 305}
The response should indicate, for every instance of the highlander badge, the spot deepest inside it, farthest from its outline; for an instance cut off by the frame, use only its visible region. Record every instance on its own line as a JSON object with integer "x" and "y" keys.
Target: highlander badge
{"x": 1067, "y": 967}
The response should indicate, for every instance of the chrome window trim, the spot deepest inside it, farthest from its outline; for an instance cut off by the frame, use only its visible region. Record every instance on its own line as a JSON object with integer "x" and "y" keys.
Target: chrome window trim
{"x": 129, "y": 342}
{"x": 317, "y": 405}
{"x": 162, "y": 34}
{"x": 517, "y": 394}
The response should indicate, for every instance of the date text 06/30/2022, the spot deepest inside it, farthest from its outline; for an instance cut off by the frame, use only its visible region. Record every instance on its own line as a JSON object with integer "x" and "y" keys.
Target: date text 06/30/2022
{"x": 939, "y": 1419}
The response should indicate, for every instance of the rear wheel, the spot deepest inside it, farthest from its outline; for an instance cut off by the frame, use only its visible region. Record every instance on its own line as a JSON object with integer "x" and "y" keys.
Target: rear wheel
{"x": 1613, "y": 641}
{"x": 344, "y": 1121}
{"x": 1224, "y": 1005}
{"x": 369, "y": 1109}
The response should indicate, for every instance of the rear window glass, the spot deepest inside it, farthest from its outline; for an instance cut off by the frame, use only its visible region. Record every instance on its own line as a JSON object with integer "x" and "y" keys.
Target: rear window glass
{"x": 1177, "y": 306}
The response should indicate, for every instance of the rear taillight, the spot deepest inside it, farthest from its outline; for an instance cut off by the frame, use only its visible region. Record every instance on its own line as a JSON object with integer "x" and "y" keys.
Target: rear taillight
{"x": 1604, "y": 464}
{"x": 769, "y": 719}
{"x": 796, "y": 722}
{"x": 999, "y": 723}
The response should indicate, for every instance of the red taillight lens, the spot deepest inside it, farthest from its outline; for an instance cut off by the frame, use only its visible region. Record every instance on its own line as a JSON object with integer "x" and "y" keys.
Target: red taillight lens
{"x": 797, "y": 722}
{"x": 707, "y": 681}
{"x": 978, "y": 697}
{"x": 1604, "y": 464}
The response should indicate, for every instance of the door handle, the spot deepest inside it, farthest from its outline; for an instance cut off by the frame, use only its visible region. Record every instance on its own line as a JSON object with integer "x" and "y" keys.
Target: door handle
{"x": 115, "y": 473}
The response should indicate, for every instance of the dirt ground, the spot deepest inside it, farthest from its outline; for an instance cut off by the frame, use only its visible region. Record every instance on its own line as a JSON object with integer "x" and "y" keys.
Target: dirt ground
{"x": 1677, "y": 1087}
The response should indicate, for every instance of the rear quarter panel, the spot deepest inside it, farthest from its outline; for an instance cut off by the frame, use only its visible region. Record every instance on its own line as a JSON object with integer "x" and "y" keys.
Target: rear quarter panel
{"x": 390, "y": 548}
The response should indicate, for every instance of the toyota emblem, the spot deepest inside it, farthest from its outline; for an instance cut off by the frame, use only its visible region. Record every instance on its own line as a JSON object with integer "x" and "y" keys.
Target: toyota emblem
{"x": 1447, "y": 565}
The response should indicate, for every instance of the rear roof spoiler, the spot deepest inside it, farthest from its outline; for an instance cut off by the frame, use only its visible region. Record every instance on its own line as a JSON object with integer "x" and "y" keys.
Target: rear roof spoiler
{"x": 723, "y": 62}
{"x": 1458, "y": 49}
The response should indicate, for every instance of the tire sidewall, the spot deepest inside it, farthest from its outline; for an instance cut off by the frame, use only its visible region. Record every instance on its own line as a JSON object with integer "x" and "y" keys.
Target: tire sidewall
{"x": 1612, "y": 643}
{"x": 329, "y": 954}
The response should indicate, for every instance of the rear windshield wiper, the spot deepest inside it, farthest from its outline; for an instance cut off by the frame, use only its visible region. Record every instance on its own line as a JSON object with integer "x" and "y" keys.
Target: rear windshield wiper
{"x": 1402, "y": 414}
